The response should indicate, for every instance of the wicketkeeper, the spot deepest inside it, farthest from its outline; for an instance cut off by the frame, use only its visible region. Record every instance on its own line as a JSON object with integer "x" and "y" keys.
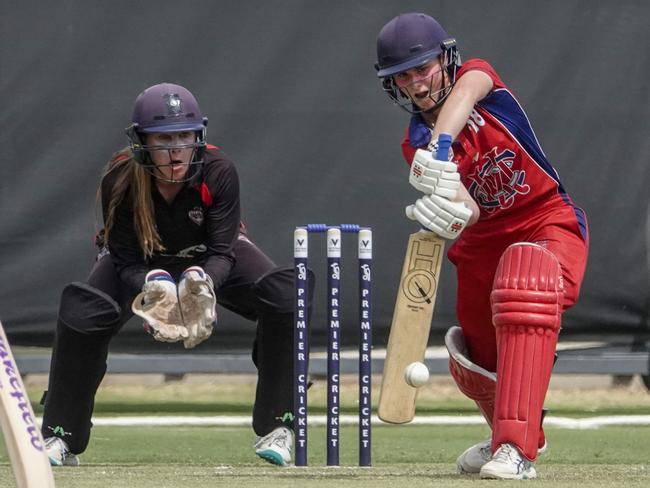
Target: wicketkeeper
{"x": 173, "y": 246}
{"x": 521, "y": 243}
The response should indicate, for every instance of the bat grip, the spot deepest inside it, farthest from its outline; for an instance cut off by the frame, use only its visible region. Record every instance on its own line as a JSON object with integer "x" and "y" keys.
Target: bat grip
{"x": 444, "y": 143}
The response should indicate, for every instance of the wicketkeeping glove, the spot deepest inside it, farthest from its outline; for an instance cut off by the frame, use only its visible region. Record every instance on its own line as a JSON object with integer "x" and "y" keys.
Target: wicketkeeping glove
{"x": 442, "y": 216}
{"x": 433, "y": 176}
{"x": 197, "y": 301}
{"x": 157, "y": 304}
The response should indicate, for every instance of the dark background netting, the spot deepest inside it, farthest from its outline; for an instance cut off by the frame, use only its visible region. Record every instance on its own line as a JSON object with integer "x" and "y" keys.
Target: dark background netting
{"x": 290, "y": 91}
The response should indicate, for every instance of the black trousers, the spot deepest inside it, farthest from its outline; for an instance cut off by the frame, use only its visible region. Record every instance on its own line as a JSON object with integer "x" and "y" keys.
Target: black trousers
{"x": 79, "y": 359}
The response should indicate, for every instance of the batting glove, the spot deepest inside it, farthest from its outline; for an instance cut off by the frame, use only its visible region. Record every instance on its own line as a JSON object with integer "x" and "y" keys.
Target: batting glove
{"x": 433, "y": 176}
{"x": 439, "y": 215}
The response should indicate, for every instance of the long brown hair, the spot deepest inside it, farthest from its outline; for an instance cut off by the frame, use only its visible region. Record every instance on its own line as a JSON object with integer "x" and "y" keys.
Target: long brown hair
{"x": 135, "y": 179}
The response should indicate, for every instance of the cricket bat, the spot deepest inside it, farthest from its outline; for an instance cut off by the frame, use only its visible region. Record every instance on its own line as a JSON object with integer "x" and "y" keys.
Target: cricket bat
{"x": 409, "y": 330}
{"x": 21, "y": 433}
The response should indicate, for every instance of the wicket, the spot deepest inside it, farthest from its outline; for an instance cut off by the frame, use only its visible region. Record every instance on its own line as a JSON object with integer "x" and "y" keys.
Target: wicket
{"x": 301, "y": 341}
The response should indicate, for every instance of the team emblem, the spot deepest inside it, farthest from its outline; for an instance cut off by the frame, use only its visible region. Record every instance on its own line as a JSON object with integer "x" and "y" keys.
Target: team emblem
{"x": 174, "y": 106}
{"x": 196, "y": 215}
{"x": 495, "y": 183}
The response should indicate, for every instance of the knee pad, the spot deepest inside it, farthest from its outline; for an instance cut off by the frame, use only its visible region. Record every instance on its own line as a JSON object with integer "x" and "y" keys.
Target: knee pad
{"x": 472, "y": 380}
{"x": 526, "y": 302}
{"x": 88, "y": 310}
{"x": 275, "y": 290}
{"x": 528, "y": 288}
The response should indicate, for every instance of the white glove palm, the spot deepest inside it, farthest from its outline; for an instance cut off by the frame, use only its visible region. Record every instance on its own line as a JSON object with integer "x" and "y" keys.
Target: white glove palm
{"x": 157, "y": 304}
{"x": 440, "y": 215}
{"x": 198, "y": 305}
{"x": 433, "y": 176}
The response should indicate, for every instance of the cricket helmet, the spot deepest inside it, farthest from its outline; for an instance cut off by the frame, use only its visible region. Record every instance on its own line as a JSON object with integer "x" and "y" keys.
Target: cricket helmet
{"x": 166, "y": 107}
{"x": 411, "y": 40}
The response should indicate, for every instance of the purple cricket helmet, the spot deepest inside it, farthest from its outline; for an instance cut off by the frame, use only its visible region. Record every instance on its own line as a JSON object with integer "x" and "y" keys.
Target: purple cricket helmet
{"x": 408, "y": 41}
{"x": 166, "y": 107}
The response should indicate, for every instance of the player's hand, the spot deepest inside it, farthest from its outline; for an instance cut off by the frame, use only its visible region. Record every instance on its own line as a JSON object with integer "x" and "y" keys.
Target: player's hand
{"x": 198, "y": 302}
{"x": 440, "y": 215}
{"x": 157, "y": 304}
{"x": 433, "y": 176}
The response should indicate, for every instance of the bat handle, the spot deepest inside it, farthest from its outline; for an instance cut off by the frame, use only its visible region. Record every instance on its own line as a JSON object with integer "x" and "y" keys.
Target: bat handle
{"x": 444, "y": 143}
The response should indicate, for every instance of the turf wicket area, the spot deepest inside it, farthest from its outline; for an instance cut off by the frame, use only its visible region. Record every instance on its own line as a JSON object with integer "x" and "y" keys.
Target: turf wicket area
{"x": 417, "y": 456}
{"x": 414, "y": 456}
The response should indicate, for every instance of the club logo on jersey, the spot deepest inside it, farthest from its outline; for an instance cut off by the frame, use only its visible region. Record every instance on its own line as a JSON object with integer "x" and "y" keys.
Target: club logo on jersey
{"x": 174, "y": 106}
{"x": 495, "y": 184}
{"x": 196, "y": 215}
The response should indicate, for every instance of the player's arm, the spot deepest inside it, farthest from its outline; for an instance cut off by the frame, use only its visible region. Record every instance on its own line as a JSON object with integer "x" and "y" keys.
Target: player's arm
{"x": 470, "y": 89}
{"x": 126, "y": 253}
{"x": 222, "y": 220}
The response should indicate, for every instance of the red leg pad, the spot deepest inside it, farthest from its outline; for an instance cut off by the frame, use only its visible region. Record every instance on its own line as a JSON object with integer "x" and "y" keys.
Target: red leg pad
{"x": 473, "y": 381}
{"x": 526, "y": 310}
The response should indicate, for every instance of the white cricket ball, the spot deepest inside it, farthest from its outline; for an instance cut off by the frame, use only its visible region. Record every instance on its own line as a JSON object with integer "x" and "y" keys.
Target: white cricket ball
{"x": 416, "y": 374}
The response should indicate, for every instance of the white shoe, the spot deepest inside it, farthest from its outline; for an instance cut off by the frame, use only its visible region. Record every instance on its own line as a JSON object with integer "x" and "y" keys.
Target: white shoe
{"x": 472, "y": 460}
{"x": 276, "y": 446}
{"x": 59, "y": 453}
{"x": 508, "y": 463}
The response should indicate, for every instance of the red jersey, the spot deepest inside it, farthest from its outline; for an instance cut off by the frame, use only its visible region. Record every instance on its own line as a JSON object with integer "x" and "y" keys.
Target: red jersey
{"x": 502, "y": 165}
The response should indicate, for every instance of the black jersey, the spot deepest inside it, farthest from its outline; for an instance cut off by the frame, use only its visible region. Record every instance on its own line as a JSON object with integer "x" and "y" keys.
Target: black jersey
{"x": 199, "y": 227}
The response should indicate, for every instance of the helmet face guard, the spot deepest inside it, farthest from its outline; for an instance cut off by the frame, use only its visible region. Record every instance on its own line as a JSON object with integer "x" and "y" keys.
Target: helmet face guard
{"x": 167, "y": 108}
{"x": 409, "y": 41}
{"x": 450, "y": 61}
{"x": 142, "y": 154}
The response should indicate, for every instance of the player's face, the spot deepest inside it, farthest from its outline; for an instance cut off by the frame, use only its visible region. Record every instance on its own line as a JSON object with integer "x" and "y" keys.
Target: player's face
{"x": 175, "y": 154}
{"x": 422, "y": 83}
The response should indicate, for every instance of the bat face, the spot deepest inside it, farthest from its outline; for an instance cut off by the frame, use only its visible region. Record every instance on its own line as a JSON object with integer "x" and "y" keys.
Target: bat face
{"x": 409, "y": 330}
{"x": 20, "y": 431}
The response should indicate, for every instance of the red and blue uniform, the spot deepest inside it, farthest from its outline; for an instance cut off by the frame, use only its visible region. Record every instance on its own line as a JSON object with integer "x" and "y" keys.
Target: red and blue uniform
{"x": 521, "y": 199}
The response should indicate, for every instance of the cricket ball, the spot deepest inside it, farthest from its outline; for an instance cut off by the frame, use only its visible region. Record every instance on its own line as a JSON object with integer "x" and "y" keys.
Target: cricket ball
{"x": 416, "y": 374}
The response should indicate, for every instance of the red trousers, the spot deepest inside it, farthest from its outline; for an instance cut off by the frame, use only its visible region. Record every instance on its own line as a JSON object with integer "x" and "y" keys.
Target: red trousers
{"x": 476, "y": 266}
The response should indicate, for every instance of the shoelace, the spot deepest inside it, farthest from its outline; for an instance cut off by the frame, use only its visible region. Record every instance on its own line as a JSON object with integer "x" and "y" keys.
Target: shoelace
{"x": 280, "y": 440}
{"x": 509, "y": 454}
{"x": 486, "y": 452}
{"x": 506, "y": 454}
{"x": 55, "y": 440}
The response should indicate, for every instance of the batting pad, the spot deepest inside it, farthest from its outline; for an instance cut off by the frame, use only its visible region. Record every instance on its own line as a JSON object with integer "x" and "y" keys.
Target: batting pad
{"x": 473, "y": 381}
{"x": 526, "y": 305}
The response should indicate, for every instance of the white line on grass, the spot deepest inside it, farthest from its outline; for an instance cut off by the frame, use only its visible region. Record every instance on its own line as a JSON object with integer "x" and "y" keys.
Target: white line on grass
{"x": 241, "y": 421}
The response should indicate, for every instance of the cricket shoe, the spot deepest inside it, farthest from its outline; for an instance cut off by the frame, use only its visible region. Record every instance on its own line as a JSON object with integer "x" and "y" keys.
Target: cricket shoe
{"x": 508, "y": 463}
{"x": 276, "y": 446}
{"x": 472, "y": 460}
{"x": 58, "y": 452}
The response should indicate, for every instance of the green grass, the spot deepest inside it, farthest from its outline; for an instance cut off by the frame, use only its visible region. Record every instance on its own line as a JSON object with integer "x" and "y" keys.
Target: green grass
{"x": 233, "y": 394}
{"x": 411, "y": 456}
{"x": 139, "y": 457}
